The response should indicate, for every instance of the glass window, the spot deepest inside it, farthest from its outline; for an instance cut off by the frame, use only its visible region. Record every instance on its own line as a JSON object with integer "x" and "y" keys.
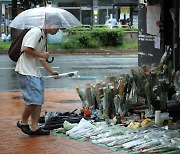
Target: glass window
{"x": 86, "y": 17}
{"x": 105, "y": 2}
{"x": 75, "y": 12}
{"x": 104, "y": 14}
{"x": 87, "y": 3}
{"x": 68, "y": 4}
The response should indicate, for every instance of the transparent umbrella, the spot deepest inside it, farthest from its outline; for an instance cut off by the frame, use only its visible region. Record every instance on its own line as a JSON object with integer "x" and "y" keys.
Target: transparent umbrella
{"x": 37, "y": 17}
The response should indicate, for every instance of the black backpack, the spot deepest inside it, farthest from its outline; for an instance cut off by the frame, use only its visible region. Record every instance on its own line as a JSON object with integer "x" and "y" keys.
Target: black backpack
{"x": 14, "y": 51}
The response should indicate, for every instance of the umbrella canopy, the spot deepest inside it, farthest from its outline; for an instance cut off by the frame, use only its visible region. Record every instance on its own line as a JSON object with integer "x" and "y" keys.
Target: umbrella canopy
{"x": 38, "y": 17}
{"x": 113, "y": 21}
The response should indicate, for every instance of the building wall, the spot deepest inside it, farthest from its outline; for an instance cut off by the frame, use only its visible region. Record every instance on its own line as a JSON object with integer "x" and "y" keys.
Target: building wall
{"x": 98, "y": 11}
{"x": 91, "y": 12}
{"x": 147, "y": 53}
{"x": 158, "y": 32}
{"x": 5, "y": 14}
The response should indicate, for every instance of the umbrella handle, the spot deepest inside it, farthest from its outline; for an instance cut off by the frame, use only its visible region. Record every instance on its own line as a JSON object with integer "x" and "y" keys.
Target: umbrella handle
{"x": 50, "y": 60}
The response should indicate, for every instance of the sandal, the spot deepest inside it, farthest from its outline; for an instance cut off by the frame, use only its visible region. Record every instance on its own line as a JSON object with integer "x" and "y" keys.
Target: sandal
{"x": 40, "y": 131}
{"x": 24, "y": 128}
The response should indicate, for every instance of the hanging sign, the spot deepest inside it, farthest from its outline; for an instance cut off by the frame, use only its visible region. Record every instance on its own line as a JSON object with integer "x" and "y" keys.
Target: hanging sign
{"x": 125, "y": 10}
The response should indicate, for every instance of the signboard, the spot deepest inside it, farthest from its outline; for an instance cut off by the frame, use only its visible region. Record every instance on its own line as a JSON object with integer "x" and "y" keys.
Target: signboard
{"x": 125, "y": 10}
{"x": 95, "y": 10}
{"x": 95, "y": 7}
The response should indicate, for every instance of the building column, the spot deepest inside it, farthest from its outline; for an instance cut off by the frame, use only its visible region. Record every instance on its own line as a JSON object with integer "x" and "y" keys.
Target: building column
{"x": 95, "y": 12}
{"x": 14, "y": 14}
{"x": 176, "y": 36}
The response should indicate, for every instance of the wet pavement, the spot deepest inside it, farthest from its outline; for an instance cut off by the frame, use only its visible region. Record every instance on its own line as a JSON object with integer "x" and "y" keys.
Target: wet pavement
{"x": 13, "y": 141}
{"x": 59, "y": 96}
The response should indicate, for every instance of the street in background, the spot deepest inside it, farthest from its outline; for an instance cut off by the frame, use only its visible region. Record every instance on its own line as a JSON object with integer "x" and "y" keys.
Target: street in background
{"x": 91, "y": 69}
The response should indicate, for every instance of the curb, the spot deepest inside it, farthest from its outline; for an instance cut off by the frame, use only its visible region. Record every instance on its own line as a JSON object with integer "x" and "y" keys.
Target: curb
{"x": 2, "y": 52}
{"x": 87, "y": 51}
{"x": 94, "y": 51}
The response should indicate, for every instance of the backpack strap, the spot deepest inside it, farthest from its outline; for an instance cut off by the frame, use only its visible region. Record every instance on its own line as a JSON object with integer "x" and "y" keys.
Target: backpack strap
{"x": 38, "y": 41}
{"x": 46, "y": 47}
{"x": 41, "y": 36}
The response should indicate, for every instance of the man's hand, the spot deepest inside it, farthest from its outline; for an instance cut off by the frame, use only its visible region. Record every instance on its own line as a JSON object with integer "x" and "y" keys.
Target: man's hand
{"x": 71, "y": 74}
{"x": 45, "y": 55}
{"x": 34, "y": 53}
{"x": 55, "y": 74}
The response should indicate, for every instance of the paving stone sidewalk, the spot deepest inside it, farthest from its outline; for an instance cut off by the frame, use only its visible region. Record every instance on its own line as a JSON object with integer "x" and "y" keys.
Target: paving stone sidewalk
{"x": 13, "y": 141}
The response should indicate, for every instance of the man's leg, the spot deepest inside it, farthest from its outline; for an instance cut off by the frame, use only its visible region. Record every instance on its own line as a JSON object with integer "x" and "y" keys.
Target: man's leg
{"x": 28, "y": 110}
{"x": 35, "y": 117}
{"x": 23, "y": 125}
{"x": 36, "y": 130}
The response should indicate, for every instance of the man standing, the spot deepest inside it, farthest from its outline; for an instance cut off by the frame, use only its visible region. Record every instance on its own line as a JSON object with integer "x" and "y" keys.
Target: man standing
{"x": 31, "y": 82}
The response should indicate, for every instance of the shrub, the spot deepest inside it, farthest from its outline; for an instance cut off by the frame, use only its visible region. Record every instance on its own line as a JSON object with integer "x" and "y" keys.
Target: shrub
{"x": 76, "y": 30}
{"x": 109, "y": 37}
{"x": 70, "y": 43}
{"x": 81, "y": 37}
{"x": 81, "y": 40}
{"x": 4, "y": 45}
{"x": 94, "y": 38}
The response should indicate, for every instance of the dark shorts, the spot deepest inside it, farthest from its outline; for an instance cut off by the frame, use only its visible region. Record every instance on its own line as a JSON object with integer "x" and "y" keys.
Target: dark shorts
{"x": 32, "y": 89}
